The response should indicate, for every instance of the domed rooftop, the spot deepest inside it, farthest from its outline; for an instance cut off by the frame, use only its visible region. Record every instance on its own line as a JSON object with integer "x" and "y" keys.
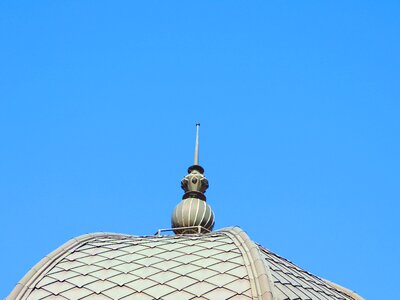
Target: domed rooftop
{"x": 224, "y": 264}
{"x": 196, "y": 263}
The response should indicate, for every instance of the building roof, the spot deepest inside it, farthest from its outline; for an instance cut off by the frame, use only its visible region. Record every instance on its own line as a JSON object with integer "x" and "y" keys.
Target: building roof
{"x": 194, "y": 264}
{"x": 223, "y": 264}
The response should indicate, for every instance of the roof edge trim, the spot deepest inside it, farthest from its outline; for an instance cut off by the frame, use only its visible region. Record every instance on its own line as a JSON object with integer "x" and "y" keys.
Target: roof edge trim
{"x": 344, "y": 290}
{"x": 23, "y": 286}
{"x": 259, "y": 277}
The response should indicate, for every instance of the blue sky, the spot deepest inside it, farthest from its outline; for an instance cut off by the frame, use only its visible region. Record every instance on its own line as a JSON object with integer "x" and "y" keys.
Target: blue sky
{"x": 300, "y": 113}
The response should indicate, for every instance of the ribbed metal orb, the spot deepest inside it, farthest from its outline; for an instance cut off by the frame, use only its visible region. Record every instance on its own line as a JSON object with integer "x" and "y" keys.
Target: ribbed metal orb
{"x": 192, "y": 212}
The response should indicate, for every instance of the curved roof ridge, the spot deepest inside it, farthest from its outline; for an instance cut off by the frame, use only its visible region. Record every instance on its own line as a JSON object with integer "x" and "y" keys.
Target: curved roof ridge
{"x": 258, "y": 273}
{"x": 34, "y": 273}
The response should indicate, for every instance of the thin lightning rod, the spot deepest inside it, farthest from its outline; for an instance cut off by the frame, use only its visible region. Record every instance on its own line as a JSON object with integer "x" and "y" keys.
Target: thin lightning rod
{"x": 196, "y": 150}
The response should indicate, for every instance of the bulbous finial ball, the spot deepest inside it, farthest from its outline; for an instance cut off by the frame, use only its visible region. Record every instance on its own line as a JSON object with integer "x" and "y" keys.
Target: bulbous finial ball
{"x": 192, "y": 212}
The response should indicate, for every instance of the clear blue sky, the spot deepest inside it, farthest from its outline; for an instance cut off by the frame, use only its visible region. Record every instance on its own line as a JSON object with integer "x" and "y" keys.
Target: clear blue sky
{"x": 299, "y": 105}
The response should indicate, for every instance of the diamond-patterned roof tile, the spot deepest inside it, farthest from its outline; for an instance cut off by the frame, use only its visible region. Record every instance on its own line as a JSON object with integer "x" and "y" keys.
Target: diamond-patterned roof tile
{"x": 76, "y": 293}
{"x": 99, "y": 286}
{"x": 140, "y": 284}
{"x": 82, "y": 280}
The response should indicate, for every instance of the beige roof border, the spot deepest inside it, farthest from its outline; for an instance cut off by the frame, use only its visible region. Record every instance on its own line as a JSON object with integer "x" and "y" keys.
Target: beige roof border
{"x": 24, "y": 286}
{"x": 260, "y": 279}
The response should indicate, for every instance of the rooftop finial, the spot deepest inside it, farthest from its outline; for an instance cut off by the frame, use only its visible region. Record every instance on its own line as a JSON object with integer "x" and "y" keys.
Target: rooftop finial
{"x": 193, "y": 214}
{"x": 196, "y": 150}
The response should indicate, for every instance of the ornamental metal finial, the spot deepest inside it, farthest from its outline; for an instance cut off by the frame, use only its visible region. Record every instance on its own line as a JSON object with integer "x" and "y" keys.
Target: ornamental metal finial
{"x": 193, "y": 214}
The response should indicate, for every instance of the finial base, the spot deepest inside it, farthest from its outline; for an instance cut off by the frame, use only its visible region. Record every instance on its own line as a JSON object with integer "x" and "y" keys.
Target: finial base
{"x": 196, "y": 168}
{"x": 194, "y": 194}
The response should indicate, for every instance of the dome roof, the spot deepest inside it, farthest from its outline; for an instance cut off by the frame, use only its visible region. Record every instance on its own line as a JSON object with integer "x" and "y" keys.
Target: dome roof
{"x": 224, "y": 264}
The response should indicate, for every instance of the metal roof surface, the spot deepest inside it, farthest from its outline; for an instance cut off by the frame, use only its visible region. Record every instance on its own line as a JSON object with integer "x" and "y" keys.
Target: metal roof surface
{"x": 224, "y": 264}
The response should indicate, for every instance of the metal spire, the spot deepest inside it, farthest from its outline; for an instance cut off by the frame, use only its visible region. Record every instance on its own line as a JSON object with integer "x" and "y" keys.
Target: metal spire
{"x": 196, "y": 150}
